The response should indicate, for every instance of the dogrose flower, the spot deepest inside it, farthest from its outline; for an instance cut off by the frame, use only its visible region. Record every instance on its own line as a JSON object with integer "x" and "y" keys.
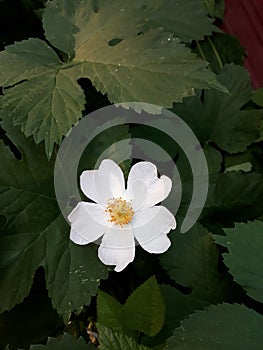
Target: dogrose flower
{"x": 123, "y": 216}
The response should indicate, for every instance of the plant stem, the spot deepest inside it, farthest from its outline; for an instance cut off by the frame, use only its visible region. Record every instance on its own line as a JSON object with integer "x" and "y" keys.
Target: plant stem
{"x": 215, "y": 52}
{"x": 200, "y": 50}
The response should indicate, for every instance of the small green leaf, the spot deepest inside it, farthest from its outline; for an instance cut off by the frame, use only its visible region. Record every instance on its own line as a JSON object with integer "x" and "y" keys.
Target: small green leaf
{"x": 244, "y": 259}
{"x": 66, "y": 342}
{"x": 144, "y": 310}
{"x": 226, "y": 326}
{"x": 109, "y": 311}
{"x": 110, "y": 340}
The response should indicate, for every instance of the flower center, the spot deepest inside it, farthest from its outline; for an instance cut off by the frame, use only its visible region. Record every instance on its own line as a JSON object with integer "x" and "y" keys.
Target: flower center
{"x": 120, "y": 211}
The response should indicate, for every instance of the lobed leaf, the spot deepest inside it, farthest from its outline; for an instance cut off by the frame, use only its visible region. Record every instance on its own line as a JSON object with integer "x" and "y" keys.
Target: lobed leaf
{"x": 106, "y": 44}
{"x": 36, "y": 234}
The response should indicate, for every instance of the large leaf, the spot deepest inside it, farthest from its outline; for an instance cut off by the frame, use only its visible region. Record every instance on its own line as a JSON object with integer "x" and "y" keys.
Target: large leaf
{"x": 66, "y": 342}
{"x": 219, "y": 117}
{"x": 102, "y": 44}
{"x": 36, "y": 234}
{"x": 188, "y": 20}
{"x": 110, "y": 340}
{"x": 226, "y": 326}
{"x": 144, "y": 310}
{"x": 244, "y": 259}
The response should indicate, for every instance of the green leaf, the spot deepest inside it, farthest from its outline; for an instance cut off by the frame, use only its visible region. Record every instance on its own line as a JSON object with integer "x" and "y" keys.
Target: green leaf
{"x": 188, "y": 20}
{"x": 53, "y": 100}
{"x": 192, "y": 261}
{"x": 102, "y": 44}
{"x": 109, "y": 311}
{"x": 257, "y": 97}
{"x": 36, "y": 234}
{"x": 66, "y": 342}
{"x": 144, "y": 310}
{"x": 23, "y": 326}
{"x": 215, "y": 8}
{"x": 178, "y": 306}
{"x": 244, "y": 257}
{"x": 221, "y": 49}
{"x": 234, "y": 197}
{"x": 226, "y": 326}
{"x": 110, "y": 340}
{"x": 218, "y": 115}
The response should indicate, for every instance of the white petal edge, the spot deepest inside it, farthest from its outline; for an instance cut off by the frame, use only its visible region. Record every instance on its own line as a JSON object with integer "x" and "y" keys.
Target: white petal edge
{"x": 102, "y": 184}
{"x": 158, "y": 245}
{"x": 117, "y": 247}
{"x": 150, "y": 228}
{"x": 157, "y": 189}
{"x": 88, "y": 222}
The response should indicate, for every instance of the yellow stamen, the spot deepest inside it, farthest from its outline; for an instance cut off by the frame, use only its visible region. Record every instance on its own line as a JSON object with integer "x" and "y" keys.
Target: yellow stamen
{"x": 120, "y": 211}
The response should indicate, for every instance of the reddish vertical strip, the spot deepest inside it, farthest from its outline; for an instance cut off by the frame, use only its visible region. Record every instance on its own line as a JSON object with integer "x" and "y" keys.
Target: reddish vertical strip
{"x": 244, "y": 19}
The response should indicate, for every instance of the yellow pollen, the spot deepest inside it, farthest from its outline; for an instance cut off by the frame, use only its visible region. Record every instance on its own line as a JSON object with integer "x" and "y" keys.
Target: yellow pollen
{"x": 120, "y": 211}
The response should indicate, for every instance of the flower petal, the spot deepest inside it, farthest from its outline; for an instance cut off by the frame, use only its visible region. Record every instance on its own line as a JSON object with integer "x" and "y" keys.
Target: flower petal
{"x": 157, "y": 188}
{"x": 117, "y": 247}
{"x": 137, "y": 193}
{"x": 102, "y": 184}
{"x": 150, "y": 227}
{"x": 88, "y": 222}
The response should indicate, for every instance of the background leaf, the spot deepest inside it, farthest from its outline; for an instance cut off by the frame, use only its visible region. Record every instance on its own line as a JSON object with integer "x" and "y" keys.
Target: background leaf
{"x": 244, "y": 259}
{"x": 66, "y": 342}
{"x": 234, "y": 197}
{"x": 23, "y": 326}
{"x": 217, "y": 115}
{"x": 226, "y": 326}
{"x": 110, "y": 340}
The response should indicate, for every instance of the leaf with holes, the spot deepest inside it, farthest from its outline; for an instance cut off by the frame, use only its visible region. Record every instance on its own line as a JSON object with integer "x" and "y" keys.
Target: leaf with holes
{"x": 187, "y": 20}
{"x": 106, "y": 44}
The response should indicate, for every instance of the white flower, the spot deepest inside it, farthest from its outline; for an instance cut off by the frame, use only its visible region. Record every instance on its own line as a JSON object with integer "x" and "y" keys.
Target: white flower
{"x": 122, "y": 216}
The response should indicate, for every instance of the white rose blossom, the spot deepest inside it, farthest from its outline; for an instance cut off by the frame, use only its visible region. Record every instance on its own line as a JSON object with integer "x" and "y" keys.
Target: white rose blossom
{"x": 121, "y": 217}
